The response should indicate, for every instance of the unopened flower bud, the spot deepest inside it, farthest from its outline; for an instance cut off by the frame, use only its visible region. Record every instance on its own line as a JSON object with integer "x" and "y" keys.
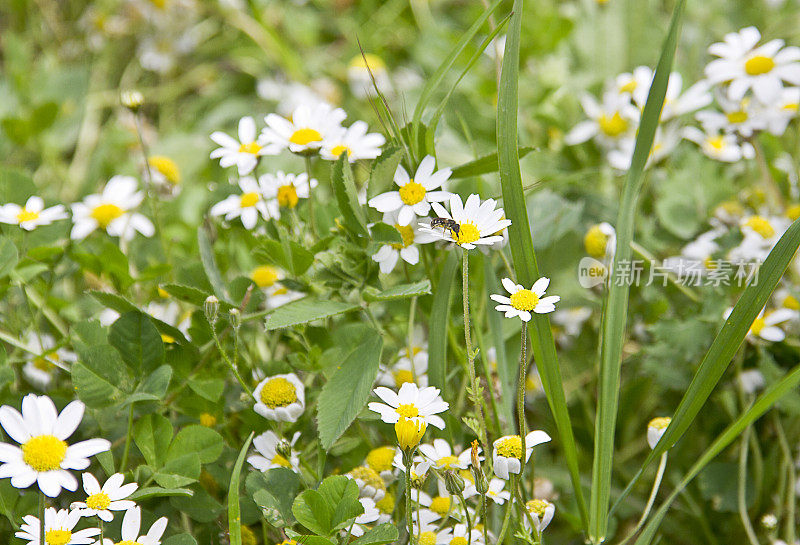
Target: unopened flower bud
{"x": 131, "y": 99}
{"x": 236, "y": 318}
{"x": 211, "y": 309}
{"x": 284, "y": 448}
{"x": 481, "y": 483}
{"x": 409, "y": 433}
{"x": 769, "y": 521}
{"x": 454, "y": 483}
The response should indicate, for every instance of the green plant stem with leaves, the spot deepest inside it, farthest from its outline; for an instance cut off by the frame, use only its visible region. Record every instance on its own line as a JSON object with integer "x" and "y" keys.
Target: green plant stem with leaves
{"x": 475, "y": 393}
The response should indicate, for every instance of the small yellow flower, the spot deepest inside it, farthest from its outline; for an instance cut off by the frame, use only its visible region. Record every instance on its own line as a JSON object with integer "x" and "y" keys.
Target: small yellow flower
{"x": 409, "y": 432}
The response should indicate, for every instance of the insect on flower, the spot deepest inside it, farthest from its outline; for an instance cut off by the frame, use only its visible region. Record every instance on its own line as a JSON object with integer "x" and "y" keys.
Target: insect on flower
{"x": 446, "y": 223}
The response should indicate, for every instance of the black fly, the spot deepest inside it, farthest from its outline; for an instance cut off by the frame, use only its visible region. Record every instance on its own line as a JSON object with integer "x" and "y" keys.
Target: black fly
{"x": 446, "y": 223}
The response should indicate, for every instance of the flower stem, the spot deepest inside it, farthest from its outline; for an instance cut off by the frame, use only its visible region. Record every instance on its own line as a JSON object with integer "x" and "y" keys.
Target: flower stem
{"x": 312, "y": 220}
{"x": 230, "y": 363}
{"x": 509, "y": 508}
{"x": 662, "y": 465}
{"x": 469, "y": 519}
{"x": 127, "y": 450}
{"x": 409, "y": 521}
{"x": 474, "y": 385}
{"x": 523, "y": 364}
{"x": 742, "y": 488}
{"x": 41, "y": 518}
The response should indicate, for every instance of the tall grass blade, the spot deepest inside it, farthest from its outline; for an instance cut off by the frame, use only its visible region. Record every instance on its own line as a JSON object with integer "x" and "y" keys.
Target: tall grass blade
{"x": 440, "y": 315}
{"x": 524, "y": 257}
{"x": 618, "y": 291}
{"x": 234, "y": 509}
{"x": 764, "y": 402}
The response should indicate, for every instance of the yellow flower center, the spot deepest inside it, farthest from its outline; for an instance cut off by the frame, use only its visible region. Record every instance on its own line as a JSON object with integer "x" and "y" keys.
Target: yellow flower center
{"x": 793, "y": 212}
{"x": 336, "y": 151}
{"x": 533, "y": 383}
{"x": 791, "y": 302}
{"x": 281, "y": 461}
{"x": 27, "y": 215}
{"x": 466, "y": 474}
{"x": 373, "y": 62}
{"x": 659, "y": 423}
{"x": 304, "y": 137}
{"x": 510, "y": 447}
{"x": 252, "y": 148}
{"x": 98, "y": 502}
{"x": 440, "y": 505}
{"x": 57, "y": 537}
{"x": 208, "y": 420}
{"x": 736, "y": 117}
{"x": 106, "y": 213}
{"x": 791, "y": 106}
{"x": 427, "y": 538}
{"x": 716, "y": 142}
{"x": 536, "y": 507}
{"x": 381, "y": 458}
{"x": 761, "y": 225}
{"x": 278, "y": 392}
{"x": 264, "y": 276}
{"x": 127, "y": 542}
{"x": 447, "y": 462}
{"x": 612, "y": 126}
{"x": 628, "y": 87}
{"x": 386, "y": 505}
{"x": 402, "y": 376}
{"x": 467, "y": 233}
{"x": 758, "y": 325}
{"x": 287, "y": 196}
{"x": 369, "y": 476}
{"x": 409, "y": 432}
{"x": 249, "y": 199}
{"x": 42, "y": 364}
{"x": 44, "y": 452}
{"x": 458, "y": 541}
{"x": 524, "y": 300}
{"x": 167, "y": 167}
{"x": 407, "y": 410}
{"x": 595, "y": 242}
{"x": 412, "y": 193}
{"x": 168, "y": 339}
{"x": 758, "y": 65}
{"x": 407, "y": 234}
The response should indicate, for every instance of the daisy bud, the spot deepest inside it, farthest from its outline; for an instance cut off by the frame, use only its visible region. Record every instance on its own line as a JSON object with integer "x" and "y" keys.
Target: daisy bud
{"x": 769, "y": 521}
{"x": 131, "y": 99}
{"x": 481, "y": 484}
{"x": 284, "y": 448}
{"x": 236, "y": 318}
{"x": 656, "y": 428}
{"x": 211, "y": 309}
{"x": 409, "y": 433}
{"x": 453, "y": 483}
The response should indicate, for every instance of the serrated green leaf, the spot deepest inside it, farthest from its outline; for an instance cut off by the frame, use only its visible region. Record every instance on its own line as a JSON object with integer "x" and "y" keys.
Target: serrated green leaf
{"x": 100, "y": 377}
{"x": 383, "y": 233}
{"x": 346, "y": 393}
{"x": 381, "y": 176}
{"x": 306, "y": 310}
{"x": 344, "y": 188}
{"x": 137, "y": 340}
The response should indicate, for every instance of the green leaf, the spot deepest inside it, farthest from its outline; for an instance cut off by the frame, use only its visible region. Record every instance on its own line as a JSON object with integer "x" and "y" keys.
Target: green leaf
{"x": 765, "y": 401}
{"x": 152, "y": 434}
{"x": 157, "y": 492}
{"x": 180, "y": 539}
{"x": 137, "y": 340}
{"x": 195, "y": 438}
{"x": 210, "y": 266}
{"x": 344, "y": 187}
{"x": 381, "y": 177}
{"x": 234, "y": 512}
{"x": 16, "y": 185}
{"x": 210, "y": 389}
{"x": 403, "y": 291}
{"x": 523, "y": 254}
{"x": 329, "y": 508}
{"x": 274, "y": 492}
{"x": 9, "y": 256}
{"x": 345, "y": 394}
{"x": 297, "y": 260}
{"x": 380, "y": 535}
{"x": 157, "y": 382}
{"x": 43, "y": 116}
{"x": 440, "y": 316}
{"x": 100, "y": 377}
{"x": 179, "y": 471}
{"x": 114, "y": 301}
{"x": 306, "y": 310}
{"x": 383, "y": 233}
{"x": 190, "y": 294}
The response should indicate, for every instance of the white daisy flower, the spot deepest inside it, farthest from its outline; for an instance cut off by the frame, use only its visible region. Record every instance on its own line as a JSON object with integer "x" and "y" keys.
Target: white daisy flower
{"x": 751, "y": 381}
{"x": 370, "y": 483}
{"x": 740, "y": 116}
{"x": 266, "y": 446}
{"x": 497, "y": 492}
{"x": 101, "y": 501}
{"x": 507, "y": 454}
{"x": 479, "y": 223}
{"x": 310, "y": 126}
{"x": 284, "y": 190}
{"x": 112, "y": 210}
{"x": 370, "y": 515}
{"x": 131, "y": 526}
{"x": 32, "y": 215}
{"x": 424, "y": 519}
{"x": 288, "y": 95}
{"x": 419, "y": 469}
{"x": 388, "y": 255}
{"x": 443, "y": 457}
{"x": 656, "y": 428}
{"x": 165, "y": 175}
{"x": 360, "y": 80}
{"x": 355, "y": 141}
{"x": 675, "y": 103}
{"x": 722, "y": 147}
{"x": 280, "y": 397}
{"x": 667, "y": 138}
{"x": 541, "y": 512}
{"x": 43, "y": 456}
{"x": 744, "y": 66}
{"x": 523, "y": 301}
{"x": 571, "y": 320}
{"x": 776, "y": 115}
{"x": 44, "y": 359}
{"x": 459, "y": 534}
{"x": 58, "y": 526}
{"x": 248, "y": 205}
{"x": 610, "y": 122}
{"x": 411, "y": 402}
{"x": 416, "y": 194}
{"x": 244, "y": 152}
{"x": 413, "y": 369}
{"x": 279, "y": 295}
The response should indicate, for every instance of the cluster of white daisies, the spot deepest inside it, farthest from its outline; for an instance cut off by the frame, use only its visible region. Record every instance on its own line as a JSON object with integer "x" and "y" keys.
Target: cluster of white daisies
{"x": 755, "y": 87}
{"x": 44, "y": 458}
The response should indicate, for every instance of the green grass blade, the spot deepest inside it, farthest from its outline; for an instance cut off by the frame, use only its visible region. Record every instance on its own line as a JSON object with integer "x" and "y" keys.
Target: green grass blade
{"x": 617, "y": 302}
{"x": 435, "y": 80}
{"x": 524, "y": 257}
{"x": 764, "y": 402}
{"x": 234, "y": 509}
{"x": 726, "y": 343}
{"x": 440, "y": 312}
